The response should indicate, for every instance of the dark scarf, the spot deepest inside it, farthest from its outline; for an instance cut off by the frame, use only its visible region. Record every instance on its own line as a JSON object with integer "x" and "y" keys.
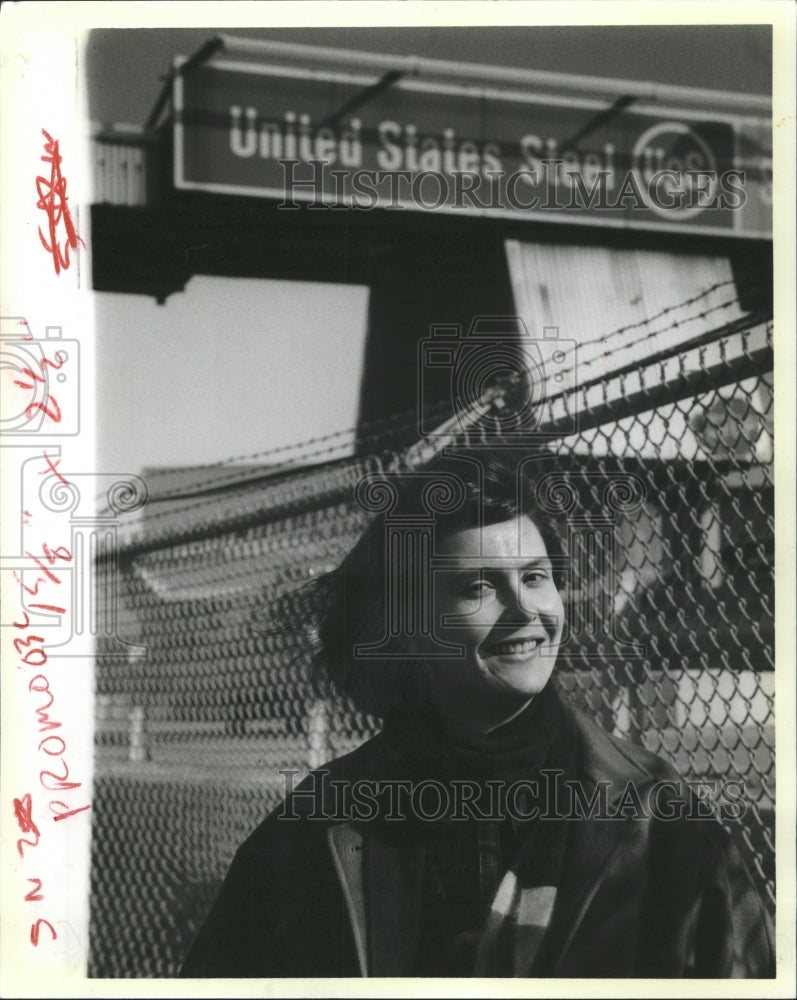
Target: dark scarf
{"x": 518, "y": 749}
{"x": 540, "y": 738}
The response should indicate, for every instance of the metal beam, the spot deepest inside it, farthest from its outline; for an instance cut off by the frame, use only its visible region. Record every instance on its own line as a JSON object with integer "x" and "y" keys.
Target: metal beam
{"x": 595, "y": 86}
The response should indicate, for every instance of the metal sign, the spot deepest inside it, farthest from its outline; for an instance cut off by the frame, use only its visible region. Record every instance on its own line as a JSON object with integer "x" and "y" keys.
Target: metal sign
{"x": 332, "y": 139}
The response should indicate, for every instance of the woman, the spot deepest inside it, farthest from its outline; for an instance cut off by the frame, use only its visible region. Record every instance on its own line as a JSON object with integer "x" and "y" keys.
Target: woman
{"x": 489, "y": 829}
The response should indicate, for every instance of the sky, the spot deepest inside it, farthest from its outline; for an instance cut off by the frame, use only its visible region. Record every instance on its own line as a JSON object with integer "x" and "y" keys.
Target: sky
{"x": 229, "y": 367}
{"x": 234, "y": 367}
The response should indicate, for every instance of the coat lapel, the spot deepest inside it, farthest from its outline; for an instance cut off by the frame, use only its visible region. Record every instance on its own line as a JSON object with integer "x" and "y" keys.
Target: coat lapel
{"x": 346, "y": 846}
{"x": 394, "y": 886}
{"x": 382, "y": 884}
{"x": 593, "y": 848}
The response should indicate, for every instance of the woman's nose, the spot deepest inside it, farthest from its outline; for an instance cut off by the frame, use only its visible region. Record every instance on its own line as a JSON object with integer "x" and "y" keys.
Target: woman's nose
{"x": 517, "y": 601}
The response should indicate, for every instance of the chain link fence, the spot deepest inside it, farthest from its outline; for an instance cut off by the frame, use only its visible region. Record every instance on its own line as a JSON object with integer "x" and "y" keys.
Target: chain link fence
{"x": 667, "y": 489}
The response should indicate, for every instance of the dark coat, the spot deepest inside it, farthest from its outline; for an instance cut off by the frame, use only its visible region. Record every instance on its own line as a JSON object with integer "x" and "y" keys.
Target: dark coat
{"x": 638, "y": 895}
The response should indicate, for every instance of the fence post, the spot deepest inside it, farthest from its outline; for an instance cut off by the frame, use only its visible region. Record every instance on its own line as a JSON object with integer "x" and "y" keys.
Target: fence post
{"x": 138, "y": 735}
{"x": 318, "y": 748}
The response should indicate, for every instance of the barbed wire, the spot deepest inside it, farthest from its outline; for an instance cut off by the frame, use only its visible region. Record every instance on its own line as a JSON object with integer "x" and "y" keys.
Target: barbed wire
{"x": 406, "y": 421}
{"x": 375, "y": 427}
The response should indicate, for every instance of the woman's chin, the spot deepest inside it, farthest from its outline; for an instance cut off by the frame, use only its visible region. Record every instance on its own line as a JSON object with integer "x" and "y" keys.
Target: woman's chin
{"x": 524, "y": 677}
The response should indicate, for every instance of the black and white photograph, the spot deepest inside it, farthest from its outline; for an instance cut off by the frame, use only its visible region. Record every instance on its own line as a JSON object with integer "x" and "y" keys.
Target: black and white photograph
{"x": 394, "y": 499}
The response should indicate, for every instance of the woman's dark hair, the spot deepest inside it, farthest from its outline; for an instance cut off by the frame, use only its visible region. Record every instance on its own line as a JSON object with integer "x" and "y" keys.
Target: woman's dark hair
{"x": 470, "y": 492}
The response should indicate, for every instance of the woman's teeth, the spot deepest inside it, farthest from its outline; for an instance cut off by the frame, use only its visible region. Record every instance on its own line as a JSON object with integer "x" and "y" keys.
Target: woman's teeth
{"x": 521, "y": 647}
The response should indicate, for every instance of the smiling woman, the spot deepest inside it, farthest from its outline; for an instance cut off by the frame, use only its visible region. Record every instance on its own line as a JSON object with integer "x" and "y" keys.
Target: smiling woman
{"x": 398, "y": 626}
{"x": 490, "y": 829}
{"x": 499, "y": 602}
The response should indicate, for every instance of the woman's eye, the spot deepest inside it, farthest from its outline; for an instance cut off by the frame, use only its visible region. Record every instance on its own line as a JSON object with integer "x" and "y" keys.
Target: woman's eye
{"x": 535, "y": 576}
{"x": 476, "y": 589}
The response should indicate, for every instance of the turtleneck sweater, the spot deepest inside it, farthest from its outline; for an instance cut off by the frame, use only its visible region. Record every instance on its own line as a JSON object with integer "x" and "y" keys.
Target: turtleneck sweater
{"x": 468, "y": 854}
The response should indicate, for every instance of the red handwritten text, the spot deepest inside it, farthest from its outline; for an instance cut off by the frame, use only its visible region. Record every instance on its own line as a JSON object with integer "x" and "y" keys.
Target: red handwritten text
{"x": 53, "y": 201}
{"x": 52, "y": 467}
{"x": 23, "y": 812}
{"x": 51, "y": 738}
{"x": 49, "y": 407}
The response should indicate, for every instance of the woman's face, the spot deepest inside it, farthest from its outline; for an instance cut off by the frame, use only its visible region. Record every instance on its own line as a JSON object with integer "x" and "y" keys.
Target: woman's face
{"x": 495, "y": 596}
